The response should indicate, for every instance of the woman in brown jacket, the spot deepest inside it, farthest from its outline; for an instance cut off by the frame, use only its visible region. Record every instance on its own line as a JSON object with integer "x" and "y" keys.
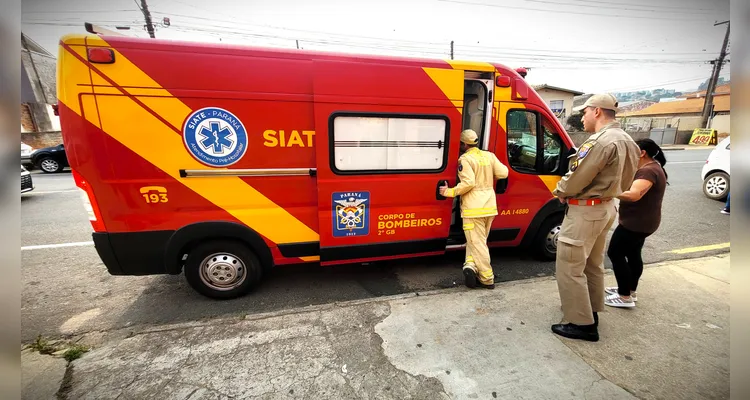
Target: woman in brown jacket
{"x": 640, "y": 216}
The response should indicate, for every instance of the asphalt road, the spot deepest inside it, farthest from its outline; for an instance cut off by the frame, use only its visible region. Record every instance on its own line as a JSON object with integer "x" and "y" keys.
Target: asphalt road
{"x": 67, "y": 290}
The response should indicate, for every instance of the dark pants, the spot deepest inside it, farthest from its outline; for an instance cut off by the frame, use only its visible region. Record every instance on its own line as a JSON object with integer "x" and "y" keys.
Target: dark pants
{"x": 625, "y": 253}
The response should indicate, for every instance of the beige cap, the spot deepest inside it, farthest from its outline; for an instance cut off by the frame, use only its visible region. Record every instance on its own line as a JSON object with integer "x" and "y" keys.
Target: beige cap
{"x": 604, "y": 100}
{"x": 469, "y": 137}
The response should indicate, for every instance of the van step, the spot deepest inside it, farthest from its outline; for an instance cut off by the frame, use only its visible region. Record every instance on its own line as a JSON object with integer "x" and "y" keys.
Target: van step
{"x": 456, "y": 240}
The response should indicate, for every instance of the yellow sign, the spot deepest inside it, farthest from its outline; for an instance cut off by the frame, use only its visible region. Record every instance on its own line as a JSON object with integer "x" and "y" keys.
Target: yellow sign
{"x": 703, "y": 137}
{"x": 282, "y": 139}
{"x": 154, "y": 194}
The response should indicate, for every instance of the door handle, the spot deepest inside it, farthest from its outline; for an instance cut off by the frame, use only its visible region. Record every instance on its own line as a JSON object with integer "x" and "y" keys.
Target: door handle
{"x": 438, "y": 196}
{"x": 502, "y": 186}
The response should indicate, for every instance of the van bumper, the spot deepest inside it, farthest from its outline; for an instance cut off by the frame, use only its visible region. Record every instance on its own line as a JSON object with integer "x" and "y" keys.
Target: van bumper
{"x": 133, "y": 253}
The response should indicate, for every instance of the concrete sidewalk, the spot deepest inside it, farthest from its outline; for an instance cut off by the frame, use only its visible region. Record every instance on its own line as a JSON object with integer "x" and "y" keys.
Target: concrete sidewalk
{"x": 450, "y": 344}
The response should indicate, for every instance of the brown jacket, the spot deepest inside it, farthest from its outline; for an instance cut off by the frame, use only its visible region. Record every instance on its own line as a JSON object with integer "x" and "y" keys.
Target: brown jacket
{"x": 603, "y": 167}
{"x": 478, "y": 170}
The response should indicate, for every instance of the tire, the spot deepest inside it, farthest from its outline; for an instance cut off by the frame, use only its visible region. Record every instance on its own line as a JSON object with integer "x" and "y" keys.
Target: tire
{"x": 49, "y": 165}
{"x": 544, "y": 247}
{"x": 716, "y": 186}
{"x": 215, "y": 269}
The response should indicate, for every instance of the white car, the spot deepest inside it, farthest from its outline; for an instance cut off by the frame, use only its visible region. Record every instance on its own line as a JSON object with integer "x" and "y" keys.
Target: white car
{"x": 715, "y": 172}
{"x": 26, "y": 151}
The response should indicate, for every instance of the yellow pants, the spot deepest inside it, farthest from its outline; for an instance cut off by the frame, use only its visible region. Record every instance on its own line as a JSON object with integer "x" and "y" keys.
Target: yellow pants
{"x": 580, "y": 261}
{"x": 477, "y": 252}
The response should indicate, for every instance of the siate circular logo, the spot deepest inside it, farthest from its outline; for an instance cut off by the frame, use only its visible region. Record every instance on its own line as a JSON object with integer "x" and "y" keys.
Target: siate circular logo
{"x": 215, "y": 137}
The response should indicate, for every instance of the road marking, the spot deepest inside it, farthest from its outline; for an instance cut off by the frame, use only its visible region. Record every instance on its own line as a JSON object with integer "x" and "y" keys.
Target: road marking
{"x": 700, "y": 248}
{"x": 55, "y": 246}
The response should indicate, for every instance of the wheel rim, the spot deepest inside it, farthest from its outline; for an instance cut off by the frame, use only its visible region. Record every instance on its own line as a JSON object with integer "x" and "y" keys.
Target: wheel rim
{"x": 550, "y": 242}
{"x": 223, "y": 271}
{"x": 716, "y": 185}
{"x": 49, "y": 165}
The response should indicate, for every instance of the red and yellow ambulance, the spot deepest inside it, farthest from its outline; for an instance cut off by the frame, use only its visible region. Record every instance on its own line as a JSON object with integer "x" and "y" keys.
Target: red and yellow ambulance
{"x": 224, "y": 161}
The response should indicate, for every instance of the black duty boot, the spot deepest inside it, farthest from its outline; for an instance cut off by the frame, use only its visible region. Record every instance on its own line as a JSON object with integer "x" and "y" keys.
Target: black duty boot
{"x": 596, "y": 319}
{"x": 573, "y": 331}
{"x": 470, "y": 278}
{"x": 483, "y": 286}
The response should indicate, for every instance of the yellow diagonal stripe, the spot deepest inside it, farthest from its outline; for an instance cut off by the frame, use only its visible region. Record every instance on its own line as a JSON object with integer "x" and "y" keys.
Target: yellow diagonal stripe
{"x": 165, "y": 150}
{"x": 451, "y": 82}
{"x": 701, "y": 248}
{"x": 72, "y": 79}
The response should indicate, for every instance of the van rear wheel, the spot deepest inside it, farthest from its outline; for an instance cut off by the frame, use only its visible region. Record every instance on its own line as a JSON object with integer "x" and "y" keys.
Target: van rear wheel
{"x": 222, "y": 269}
{"x": 544, "y": 246}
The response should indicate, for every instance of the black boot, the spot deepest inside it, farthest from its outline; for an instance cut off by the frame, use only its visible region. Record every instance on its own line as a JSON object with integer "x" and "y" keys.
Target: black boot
{"x": 573, "y": 331}
{"x": 596, "y": 319}
{"x": 470, "y": 278}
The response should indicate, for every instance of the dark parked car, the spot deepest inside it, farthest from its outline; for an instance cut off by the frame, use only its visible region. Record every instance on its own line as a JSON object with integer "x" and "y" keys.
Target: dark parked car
{"x": 50, "y": 159}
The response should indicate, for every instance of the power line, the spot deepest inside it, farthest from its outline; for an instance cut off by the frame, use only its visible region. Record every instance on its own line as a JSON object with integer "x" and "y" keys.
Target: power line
{"x": 571, "y": 12}
{"x": 76, "y": 12}
{"x": 633, "y": 89}
{"x": 650, "y": 9}
{"x": 629, "y": 4}
{"x": 441, "y": 52}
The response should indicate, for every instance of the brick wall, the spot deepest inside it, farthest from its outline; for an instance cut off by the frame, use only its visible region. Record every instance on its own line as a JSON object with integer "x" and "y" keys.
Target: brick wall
{"x": 27, "y": 122}
{"x": 39, "y": 140}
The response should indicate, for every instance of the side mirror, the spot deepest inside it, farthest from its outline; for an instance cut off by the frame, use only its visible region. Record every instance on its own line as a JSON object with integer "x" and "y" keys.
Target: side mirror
{"x": 501, "y": 186}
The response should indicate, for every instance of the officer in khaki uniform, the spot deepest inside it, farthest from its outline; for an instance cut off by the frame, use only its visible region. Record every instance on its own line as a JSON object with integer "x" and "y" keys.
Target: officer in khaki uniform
{"x": 603, "y": 167}
{"x": 477, "y": 171}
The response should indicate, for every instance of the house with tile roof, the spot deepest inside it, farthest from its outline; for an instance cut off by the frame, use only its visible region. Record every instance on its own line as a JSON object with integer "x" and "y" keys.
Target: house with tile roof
{"x": 559, "y": 100}
{"x": 682, "y": 113}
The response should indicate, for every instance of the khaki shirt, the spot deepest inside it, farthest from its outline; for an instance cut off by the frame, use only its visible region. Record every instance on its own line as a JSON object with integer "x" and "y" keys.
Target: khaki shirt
{"x": 603, "y": 167}
{"x": 477, "y": 171}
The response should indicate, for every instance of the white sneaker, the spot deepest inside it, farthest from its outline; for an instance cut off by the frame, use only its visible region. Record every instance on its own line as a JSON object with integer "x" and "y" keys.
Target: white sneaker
{"x": 613, "y": 290}
{"x": 614, "y": 300}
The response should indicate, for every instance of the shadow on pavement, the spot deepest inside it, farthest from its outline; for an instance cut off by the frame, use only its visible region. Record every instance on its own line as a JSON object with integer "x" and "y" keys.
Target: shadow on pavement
{"x": 169, "y": 299}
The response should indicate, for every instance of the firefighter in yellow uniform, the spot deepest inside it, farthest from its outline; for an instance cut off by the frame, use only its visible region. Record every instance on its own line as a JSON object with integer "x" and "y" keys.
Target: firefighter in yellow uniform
{"x": 477, "y": 172}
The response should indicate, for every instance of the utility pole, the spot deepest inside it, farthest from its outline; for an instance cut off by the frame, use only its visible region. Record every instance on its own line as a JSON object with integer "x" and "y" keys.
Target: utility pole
{"x": 147, "y": 15}
{"x": 451, "y": 49}
{"x": 708, "y": 105}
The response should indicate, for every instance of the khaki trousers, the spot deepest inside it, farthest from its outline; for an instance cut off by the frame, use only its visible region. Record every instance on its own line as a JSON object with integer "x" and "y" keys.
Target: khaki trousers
{"x": 477, "y": 252}
{"x": 580, "y": 261}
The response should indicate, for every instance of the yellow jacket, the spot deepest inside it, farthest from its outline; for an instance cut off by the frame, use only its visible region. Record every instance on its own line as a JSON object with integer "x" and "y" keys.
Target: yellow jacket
{"x": 477, "y": 171}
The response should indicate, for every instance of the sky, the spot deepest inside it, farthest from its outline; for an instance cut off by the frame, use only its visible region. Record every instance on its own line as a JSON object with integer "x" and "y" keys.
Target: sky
{"x": 585, "y": 45}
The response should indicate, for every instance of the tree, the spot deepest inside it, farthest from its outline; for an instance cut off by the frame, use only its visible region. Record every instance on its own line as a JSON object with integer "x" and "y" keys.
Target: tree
{"x": 574, "y": 121}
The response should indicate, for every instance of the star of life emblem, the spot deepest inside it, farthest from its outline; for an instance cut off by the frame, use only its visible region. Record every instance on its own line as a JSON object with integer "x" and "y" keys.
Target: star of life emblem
{"x": 215, "y": 137}
{"x": 351, "y": 214}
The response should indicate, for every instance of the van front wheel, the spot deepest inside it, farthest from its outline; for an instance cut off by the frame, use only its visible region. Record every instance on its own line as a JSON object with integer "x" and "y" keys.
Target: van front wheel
{"x": 222, "y": 269}
{"x": 545, "y": 243}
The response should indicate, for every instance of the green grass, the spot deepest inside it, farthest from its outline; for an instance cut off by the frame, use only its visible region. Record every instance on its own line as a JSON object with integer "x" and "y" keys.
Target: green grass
{"x": 75, "y": 352}
{"x": 42, "y": 346}
{"x": 72, "y": 352}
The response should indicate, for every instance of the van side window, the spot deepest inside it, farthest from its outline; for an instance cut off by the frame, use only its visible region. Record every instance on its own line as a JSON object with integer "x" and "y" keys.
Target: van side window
{"x": 388, "y": 144}
{"x": 552, "y": 149}
{"x": 522, "y": 142}
{"x": 529, "y": 152}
